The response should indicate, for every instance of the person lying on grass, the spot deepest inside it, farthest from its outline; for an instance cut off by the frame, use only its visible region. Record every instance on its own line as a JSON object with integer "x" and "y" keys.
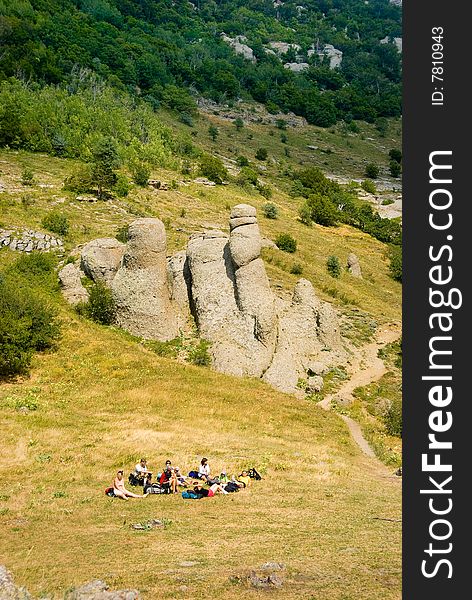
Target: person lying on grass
{"x": 216, "y": 488}
{"x": 181, "y": 479}
{"x": 244, "y": 478}
{"x": 119, "y": 488}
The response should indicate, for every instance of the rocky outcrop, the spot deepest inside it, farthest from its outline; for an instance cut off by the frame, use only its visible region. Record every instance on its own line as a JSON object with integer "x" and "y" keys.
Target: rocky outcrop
{"x": 221, "y": 280}
{"x": 101, "y": 258}
{"x": 297, "y": 67}
{"x": 308, "y": 329}
{"x": 334, "y": 56}
{"x": 70, "y": 278}
{"x": 140, "y": 286}
{"x": 28, "y": 240}
{"x": 398, "y": 41}
{"x": 239, "y": 46}
{"x": 353, "y": 265}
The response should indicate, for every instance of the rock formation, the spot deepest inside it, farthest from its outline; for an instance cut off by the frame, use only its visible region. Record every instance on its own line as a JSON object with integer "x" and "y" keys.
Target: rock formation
{"x": 353, "y": 265}
{"x": 101, "y": 258}
{"x": 27, "y": 240}
{"x": 70, "y": 278}
{"x": 140, "y": 288}
{"x": 221, "y": 280}
{"x": 8, "y": 589}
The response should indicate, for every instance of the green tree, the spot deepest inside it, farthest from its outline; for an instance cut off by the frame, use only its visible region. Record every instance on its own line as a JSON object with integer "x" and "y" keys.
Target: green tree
{"x": 286, "y": 242}
{"x": 395, "y": 154}
{"x": 333, "y": 266}
{"x": 372, "y": 171}
{"x": 104, "y": 162}
{"x": 213, "y": 132}
{"x": 212, "y": 168}
{"x": 239, "y": 123}
{"x": 262, "y": 154}
{"x": 395, "y": 168}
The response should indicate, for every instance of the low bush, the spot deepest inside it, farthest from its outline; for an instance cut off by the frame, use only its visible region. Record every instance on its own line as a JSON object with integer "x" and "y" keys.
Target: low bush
{"x": 140, "y": 173}
{"x": 369, "y": 186}
{"x": 199, "y": 355}
{"x": 296, "y": 269}
{"x": 212, "y": 168}
{"x": 286, "y": 242}
{"x": 372, "y": 171}
{"x": 262, "y": 154}
{"x": 56, "y": 222}
{"x": 100, "y": 306}
{"x": 333, "y": 266}
{"x": 270, "y": 211}
{"x": 396, "y": 262}
{"x": 393, "y": 418}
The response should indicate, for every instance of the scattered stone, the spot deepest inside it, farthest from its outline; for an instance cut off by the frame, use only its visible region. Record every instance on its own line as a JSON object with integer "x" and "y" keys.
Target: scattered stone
{"x": 188, "y": 563}
{"x": 265, "y": 582}
{"x": 86, "y": 199}
{"x": 204, "y": 181}
{"x": 267, "y": 243}
{"x": 353, "y": 266}
{"x": 148, "y": 525}
{"x": 272, "y": 566}
{"x": 28, "y": 240}
{"x": 99, "y": 590}
{"x": 70, "y": 278}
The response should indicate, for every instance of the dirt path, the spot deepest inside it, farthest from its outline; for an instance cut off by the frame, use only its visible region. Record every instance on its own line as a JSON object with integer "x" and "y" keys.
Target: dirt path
{"x": 366, "y": 368}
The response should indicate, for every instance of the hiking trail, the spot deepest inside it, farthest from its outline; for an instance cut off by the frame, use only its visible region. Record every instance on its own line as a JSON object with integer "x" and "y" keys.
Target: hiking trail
{"x": 365, "y": 368}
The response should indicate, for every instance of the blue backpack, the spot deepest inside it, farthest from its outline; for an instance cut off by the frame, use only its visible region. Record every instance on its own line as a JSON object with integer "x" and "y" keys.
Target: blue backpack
{"x": 191, "y": 495}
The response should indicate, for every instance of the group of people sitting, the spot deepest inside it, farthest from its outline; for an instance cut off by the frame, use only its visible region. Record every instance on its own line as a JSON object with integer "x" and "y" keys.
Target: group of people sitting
{"x": 197, "y": 484}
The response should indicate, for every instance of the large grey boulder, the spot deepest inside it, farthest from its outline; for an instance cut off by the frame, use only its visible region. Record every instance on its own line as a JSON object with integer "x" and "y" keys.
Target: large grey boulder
{"x": 101, "y": 258}
{"x": 70, "y": 278}
{"x": 353, "y": 265}
{"x": 140, "y": 286}
{"x": 178, "y": 275}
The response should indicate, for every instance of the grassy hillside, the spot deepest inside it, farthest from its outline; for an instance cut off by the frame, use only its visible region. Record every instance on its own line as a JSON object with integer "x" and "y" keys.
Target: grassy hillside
{"x": 100, "y": 402}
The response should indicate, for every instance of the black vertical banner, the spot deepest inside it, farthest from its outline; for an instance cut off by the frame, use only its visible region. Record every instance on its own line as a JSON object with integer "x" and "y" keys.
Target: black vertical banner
{"x": 437, "y": 224}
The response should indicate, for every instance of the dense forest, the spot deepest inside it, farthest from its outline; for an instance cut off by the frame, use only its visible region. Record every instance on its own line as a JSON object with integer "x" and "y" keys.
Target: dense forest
{"x": 169, "y": 52}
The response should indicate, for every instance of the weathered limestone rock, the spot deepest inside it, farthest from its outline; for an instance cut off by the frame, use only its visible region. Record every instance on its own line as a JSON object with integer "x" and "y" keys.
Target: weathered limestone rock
{"x": 8, "y": 589}
{"x": 101, "y": 258}
{"x": 307, "y": 328}
{"x": 297, "y": 67}
{"x": 314, "y": 384}
{"x": 72, "y": 289}
{"x": 353, "y": 265}
{"x": 178, "y": 274}
{"x": 140, "y": 289}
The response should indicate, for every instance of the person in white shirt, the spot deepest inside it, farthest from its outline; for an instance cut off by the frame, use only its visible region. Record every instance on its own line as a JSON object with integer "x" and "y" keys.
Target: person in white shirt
{"x": 141, "y": 470}
{"x": 204, "y": 469}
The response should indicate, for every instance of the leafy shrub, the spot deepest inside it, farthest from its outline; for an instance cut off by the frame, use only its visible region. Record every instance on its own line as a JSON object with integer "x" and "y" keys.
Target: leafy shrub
{"x": 242, "y": 161}
{"x": 270, "y": 211}
{"x": 333, "y": 266}
{"x": 247, "y": 175}
{"x": 56, "y": 222}
{"x": 396, "y": 262}
{"x": 283, "y": 138}
{"x": 319, "y": 209}
{"x": 186, "y": 119}
{"x": 313, "y": 180}
{"x": 100, "y": 306}
{"x": 104, "y": 162}
{"x": 27, "y": 324}
{"x": 168, "y": 349}
{"x": 296, "y": 269}
{"x": 213, "y": 132}
{"x": 141, "y": 172}
{"x": 27, "y": 201}
{"x": 80, "y": 180}
{"x": 393, "y": 418}
{"x": 262, "y": 154}
{"x": 395, "y": 168}
{"x": 372, "y": 171}
{"x": 122, "y": 186}
{"x": 286, "y": 242}
{"x": 281, "y": 124}
{"x": 239, "y": 123}
{"x": 369, "y": 186}
{"x": 27, "y": 177}
{"x": 213, "y": 168}
{"x": 264, "y": 190}
{"x": 396, "y": 155}
{"x": 199, "y": 355}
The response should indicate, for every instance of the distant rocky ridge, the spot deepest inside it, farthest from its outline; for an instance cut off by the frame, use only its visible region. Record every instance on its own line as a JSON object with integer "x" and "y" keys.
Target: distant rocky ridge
{"x": 221, "y": 280}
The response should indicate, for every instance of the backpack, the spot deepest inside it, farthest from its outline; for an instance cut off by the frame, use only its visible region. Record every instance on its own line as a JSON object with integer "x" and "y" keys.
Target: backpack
{"x": 155, "y": 488}
{"x": 231, "y": 487}
{"x": 109, "y": 492}
{"x": 194, "y": 475}
{"x": 253, "y": 474}
{"x": 191, "y": 495}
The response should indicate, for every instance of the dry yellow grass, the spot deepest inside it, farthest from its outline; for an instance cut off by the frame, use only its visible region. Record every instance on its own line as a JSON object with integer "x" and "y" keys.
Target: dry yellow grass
{"x": 103, "y": 401}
